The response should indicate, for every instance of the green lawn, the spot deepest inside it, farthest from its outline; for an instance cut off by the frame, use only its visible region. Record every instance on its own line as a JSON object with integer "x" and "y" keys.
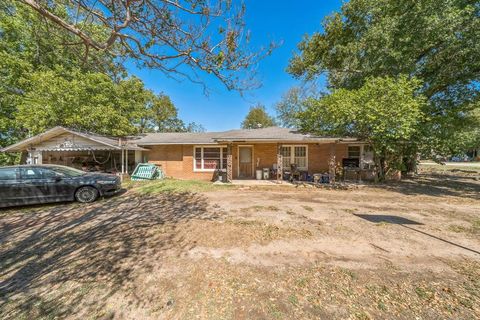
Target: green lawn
{"x": 174, "y": 185}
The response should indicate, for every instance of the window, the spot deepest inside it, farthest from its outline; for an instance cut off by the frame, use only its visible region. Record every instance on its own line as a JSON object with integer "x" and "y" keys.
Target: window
{"x": 9, "y": 174}
{"x": 210, "y": 158}
{"x": 67, "y": 171}
{"x": 38, "y": 173}
{"x": 354, "y": 152}
{"x": 296, "y": 155}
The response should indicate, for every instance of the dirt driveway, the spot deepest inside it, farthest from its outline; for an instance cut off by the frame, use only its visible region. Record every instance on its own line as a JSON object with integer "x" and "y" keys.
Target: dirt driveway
{"x": 409, "y": 250}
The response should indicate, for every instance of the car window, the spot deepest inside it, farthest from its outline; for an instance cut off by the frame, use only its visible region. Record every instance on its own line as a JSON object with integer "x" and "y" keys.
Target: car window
{"x": 38, "y": 173}
{"x": 67, "y": 171}
{"x": 8, "y": 174}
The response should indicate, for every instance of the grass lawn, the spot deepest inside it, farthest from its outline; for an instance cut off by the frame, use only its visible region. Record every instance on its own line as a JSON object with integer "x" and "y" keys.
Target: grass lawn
{"x": 194, "y": 250}
{"x": 174, "y": 185}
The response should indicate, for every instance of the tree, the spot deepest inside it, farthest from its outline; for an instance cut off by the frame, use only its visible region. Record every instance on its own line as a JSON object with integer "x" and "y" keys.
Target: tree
{"x": 437, "y": 42}
{"x": 29, "y": 45}
{"x": 45, "y": 83}
{"x": 82, "y": 101}
{"x": 257, "y": 118}
{"x": 93, "y": 102}
{"x": 385, "y": 112}
{"x": 205, "y": 36}
{"x": 290, "y": 107}
{"x": 164, "y": 115}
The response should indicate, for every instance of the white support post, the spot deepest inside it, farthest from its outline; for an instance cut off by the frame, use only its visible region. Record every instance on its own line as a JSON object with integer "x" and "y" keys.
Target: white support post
{"x": 126, "y": 161}
{"x": 123, "y": 161}
{"x": 138, "y": 157}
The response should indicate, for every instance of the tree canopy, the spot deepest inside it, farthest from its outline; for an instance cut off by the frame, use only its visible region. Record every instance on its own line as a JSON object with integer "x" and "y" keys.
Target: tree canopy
{"x": 436, "y": 42}
{"x": 258, "y": 118}
{"x": 175, "y": 37}
{"x": 44, "y": 83}
{"x": 385, "y": 112}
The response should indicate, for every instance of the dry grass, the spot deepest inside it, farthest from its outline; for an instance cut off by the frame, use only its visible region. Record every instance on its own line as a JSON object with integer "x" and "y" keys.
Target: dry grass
{"x": 158, "y": 253}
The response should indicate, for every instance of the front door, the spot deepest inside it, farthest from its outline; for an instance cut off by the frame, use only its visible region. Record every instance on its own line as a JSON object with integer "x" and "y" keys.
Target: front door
{"x": 245, "y": 162}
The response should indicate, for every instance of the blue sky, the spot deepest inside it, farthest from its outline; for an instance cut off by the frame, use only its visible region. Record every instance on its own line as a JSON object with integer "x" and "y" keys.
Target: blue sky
{"x": 268, "y": 20}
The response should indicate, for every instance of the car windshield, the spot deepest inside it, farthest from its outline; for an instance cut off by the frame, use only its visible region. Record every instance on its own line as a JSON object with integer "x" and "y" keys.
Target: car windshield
{"x": 67, "y": 171}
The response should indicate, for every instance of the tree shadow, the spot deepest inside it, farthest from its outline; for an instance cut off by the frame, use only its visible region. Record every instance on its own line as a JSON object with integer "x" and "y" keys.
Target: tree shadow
{"x": 404, "y": 222}
{"x": 106, "y": 242}
{"x": 436, "y": 185}
{"x": 378, "y": 218}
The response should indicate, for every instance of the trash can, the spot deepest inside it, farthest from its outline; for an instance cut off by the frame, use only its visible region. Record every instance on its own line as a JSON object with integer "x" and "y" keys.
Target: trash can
{"x": 259, "y": 174}
{"x": 266, "y": 173}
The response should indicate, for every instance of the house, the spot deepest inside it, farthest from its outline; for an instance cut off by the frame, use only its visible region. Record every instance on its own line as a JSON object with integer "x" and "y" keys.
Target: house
{"x": 236, "y": 154}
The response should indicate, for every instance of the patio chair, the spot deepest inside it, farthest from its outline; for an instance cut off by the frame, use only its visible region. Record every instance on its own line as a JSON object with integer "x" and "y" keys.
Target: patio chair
{"x": 295, "y": 174}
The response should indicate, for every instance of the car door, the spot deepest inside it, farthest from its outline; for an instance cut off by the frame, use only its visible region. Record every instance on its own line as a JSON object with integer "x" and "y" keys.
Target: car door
{"x": 46, "y": 185}
{"x": 61, "y": 186}
{"x": 10, "y": 186}
{"x": 37, "y": 186}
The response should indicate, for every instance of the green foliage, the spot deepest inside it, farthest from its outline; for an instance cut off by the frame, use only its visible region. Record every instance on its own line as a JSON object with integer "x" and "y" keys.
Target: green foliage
{"x": 437, "y": 42}
{"x": 83, "y": 101}
{"x": 257, "y": 118}
{"x": 384, "y": 112}
{"x": 44, "y": 83}
{"x": 290, "y": 107}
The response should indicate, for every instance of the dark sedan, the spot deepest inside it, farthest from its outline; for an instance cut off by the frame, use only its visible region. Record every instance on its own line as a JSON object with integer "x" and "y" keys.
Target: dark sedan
{"x": 31, "y": 184}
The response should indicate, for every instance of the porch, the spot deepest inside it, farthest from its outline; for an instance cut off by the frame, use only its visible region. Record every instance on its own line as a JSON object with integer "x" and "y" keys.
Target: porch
{"x": 276, "y": 160}
{"x": 253, "y": 182}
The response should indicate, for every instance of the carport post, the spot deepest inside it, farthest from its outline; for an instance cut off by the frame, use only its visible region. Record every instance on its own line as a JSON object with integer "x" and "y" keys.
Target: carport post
{"x": 123, "y": 162}
{"x": 126, "y": 161}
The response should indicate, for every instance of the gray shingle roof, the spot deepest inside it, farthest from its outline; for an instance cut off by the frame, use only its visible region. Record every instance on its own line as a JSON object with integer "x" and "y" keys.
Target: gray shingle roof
{"x": 176, "y": 138}
{"x": 264, "y": 134}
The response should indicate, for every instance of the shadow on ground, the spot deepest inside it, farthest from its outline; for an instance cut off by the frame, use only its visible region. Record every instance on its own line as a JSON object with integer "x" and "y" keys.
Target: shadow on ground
{"x": 49, "y": 246}
{"x": 378, "y": 218}
{"x": 404, "y": 222}
{"x": 437, "y": 185}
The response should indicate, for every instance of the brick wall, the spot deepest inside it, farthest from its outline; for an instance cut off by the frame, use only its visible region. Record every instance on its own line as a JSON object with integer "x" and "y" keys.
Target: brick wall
{"x": 177, "y": 160}
{"x": 264, "y": 156}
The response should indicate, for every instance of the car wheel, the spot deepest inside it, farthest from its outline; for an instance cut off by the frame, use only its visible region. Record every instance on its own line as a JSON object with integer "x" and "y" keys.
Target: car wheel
{"x": 86, "y": 194}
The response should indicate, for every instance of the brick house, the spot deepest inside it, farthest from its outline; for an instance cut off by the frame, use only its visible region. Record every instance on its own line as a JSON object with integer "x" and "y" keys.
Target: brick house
{"x": 236, "y": 154}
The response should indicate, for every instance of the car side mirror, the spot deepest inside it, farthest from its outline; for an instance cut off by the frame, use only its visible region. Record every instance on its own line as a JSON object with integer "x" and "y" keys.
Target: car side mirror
{"x": 58, "y": 179}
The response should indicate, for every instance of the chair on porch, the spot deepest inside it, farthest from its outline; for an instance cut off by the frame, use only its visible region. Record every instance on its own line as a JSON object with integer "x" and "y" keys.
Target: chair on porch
{"x": 295, "y": 174}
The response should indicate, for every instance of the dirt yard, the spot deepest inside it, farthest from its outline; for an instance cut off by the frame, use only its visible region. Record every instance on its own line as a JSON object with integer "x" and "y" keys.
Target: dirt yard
{"x": 400, "y": 251}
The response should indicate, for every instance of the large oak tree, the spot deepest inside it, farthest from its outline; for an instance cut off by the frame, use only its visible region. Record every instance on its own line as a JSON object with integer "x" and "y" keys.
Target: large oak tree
{"x": 181, "y": 38}
{"x": 437, "y": 42}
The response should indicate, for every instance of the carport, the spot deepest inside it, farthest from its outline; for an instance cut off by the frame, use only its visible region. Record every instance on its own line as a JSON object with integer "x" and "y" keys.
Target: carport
{"x": 81, "y": 150}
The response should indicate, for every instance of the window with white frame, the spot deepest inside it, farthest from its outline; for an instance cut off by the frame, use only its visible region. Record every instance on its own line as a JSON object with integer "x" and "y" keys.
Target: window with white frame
{"x": 210, "y": 158}
{"x": 354, "y": 152}
{"x": 296, "y": 155}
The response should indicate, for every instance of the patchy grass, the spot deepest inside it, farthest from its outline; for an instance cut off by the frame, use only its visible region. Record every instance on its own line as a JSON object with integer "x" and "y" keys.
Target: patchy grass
{"x": 232, "y": 233}
{"x": 163, "y": 251}
{"x": 258, "y": 208}
{"x": 308, "y": 208}
{"x": 474, "y": 228}
{"x": 472, "y": 168}
{"x": 174, "y": 185}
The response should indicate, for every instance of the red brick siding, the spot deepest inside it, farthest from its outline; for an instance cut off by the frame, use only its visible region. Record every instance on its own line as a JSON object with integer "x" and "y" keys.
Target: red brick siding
{"x": 177, "y": 160}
